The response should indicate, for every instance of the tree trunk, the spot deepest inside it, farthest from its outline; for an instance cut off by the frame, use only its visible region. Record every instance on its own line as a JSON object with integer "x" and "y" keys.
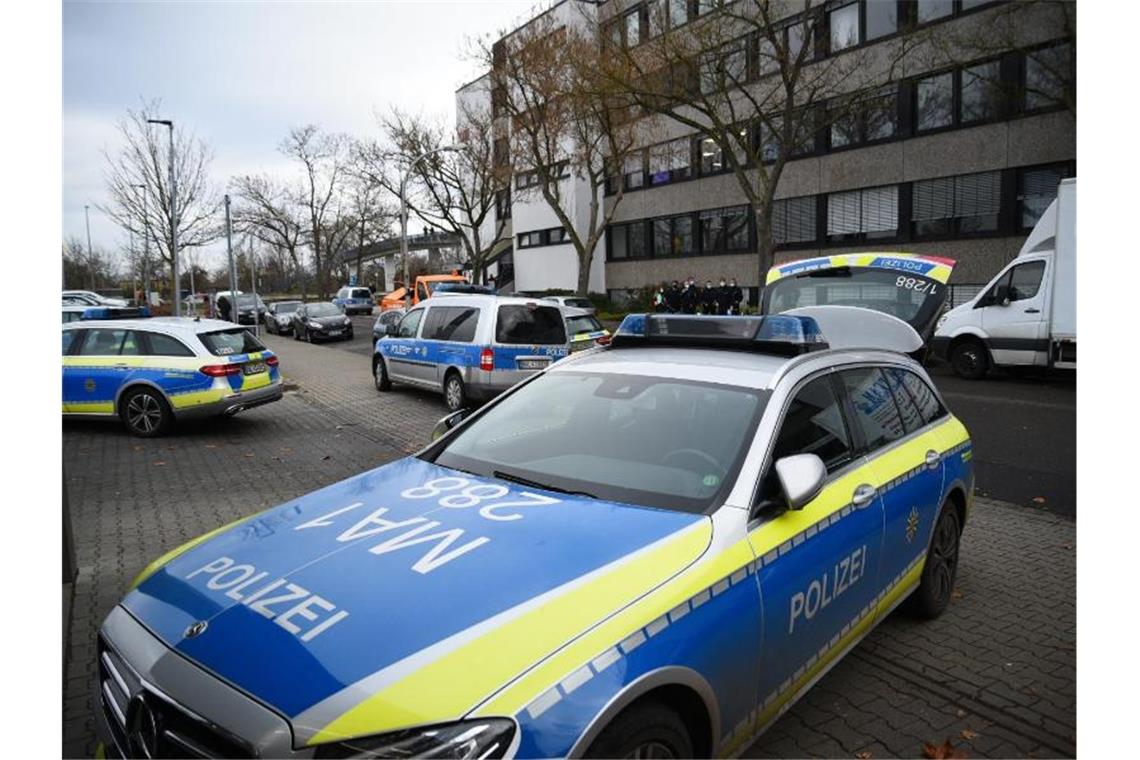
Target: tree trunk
{"x": 765, "y": 247}
{"x": 584, "y": 262}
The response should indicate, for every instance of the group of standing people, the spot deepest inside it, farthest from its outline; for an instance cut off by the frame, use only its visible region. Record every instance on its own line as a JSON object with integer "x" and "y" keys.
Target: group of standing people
{"x": 691, "y": 298}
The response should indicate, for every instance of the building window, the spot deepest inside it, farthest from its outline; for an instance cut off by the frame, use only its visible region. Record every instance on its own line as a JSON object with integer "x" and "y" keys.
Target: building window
{"x": 498, "y": 100}
{"x": 1036, "y": 189}
{"x": 960, "y": 205}
{"x": 673, "y": 236}
{"x": 1048, "y": 77}
{"x": 724, "y": 230}
{"x": 844, "y": 23}
{"x": 793, "y": 220}
{"x": 530, "y": 239}
{"x": 503, "y": 204}
{"x": 558, "y": 235}
{"x": 634, "y": 171}
{"x": 868, "y": 214}
{"x": 537, "y": 238}
{"x": 929, "y": 10}
{"x": 981, "y": 88}
{"x": 617, "y": 237}
{"x": 712, "y": 157}
{"x": 935, "y": 102}
{"x": 633, "y": 28}
{"x": 871, "y": 118}
{"x": 725, "y": 68}
{"x": 502, "y": 152}
{"x": 669, "y": 162}
{"x": 882, "y": 18}
{"x": 678, "y": 12}
{"x": 636, "y": 233}
{"x": 771, "y": 142}
{"x": 526, "y": 179}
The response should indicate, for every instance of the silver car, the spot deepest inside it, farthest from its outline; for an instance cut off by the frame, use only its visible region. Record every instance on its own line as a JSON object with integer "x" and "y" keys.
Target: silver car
{"x": 574, "y": 302}
{"x": 470, "y": 347}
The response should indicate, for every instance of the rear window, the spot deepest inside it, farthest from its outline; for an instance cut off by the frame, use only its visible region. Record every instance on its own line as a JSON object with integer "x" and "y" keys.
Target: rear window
{"x": 226, "y": 342}
{"x": 585, "y": 323}
{"x": 288, "y": 307}
{"x": 579, "y": 303}
{"x": 530, "y": 324}
{"x": 359, "y": 293}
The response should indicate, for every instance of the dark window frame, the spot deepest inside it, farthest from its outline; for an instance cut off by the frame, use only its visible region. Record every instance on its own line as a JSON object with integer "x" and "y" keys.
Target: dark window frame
{"x": 955, "y": 231}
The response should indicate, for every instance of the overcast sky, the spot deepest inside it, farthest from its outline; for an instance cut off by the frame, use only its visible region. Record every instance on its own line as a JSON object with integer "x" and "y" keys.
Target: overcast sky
{"x": 241, "y": 74}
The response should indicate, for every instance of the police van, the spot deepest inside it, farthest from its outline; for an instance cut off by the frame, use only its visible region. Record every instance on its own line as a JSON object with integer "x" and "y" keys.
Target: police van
{"x": 354, "y": 300}
{"x": 470, "y": 347}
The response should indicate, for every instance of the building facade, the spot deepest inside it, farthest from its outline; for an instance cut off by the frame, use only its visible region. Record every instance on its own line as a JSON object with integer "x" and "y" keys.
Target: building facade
{"x": 964, "y": 152}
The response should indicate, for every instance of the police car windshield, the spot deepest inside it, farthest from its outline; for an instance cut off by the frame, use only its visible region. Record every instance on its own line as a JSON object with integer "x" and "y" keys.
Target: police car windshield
{"x": 650, "y": 441}
{"x": 235, "y": 341}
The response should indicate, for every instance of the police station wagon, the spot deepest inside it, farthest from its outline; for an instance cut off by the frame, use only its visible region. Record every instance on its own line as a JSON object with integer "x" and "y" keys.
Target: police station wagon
{"x": 647, "y": 550}
{"x": 150, "y": 372}
{"x": 470, "y": 347}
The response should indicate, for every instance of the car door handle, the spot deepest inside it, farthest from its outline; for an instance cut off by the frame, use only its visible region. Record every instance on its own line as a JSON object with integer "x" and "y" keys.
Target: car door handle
{"x": 863, "y": 495}
{"x": 933, "y": 458}
{"x": 121, "y": 365}
{"x": 1032, "y": 310}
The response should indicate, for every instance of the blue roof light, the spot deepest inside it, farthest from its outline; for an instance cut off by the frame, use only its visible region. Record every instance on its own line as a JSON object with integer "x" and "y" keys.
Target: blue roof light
{"x": 774, "y": 334}
{"x": 116, "y": 312}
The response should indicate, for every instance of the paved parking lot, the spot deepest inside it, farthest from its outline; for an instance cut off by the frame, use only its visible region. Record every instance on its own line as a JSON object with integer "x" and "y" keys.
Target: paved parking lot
{"x": 995, "y": 676}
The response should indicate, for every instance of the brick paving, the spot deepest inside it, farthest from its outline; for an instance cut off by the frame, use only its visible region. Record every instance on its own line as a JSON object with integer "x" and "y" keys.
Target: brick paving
{"x": 995, "y": 675}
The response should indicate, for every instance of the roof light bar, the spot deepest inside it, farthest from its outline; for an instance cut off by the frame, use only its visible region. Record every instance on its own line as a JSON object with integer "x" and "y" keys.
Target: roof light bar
{"x": 773, "y": 334}
{"x": 116, "y": 312}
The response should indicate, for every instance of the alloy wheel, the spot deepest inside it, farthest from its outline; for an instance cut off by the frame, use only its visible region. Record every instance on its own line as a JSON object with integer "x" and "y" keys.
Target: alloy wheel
{"x": 651, "y": 750}
{"x": 144, "y": 413}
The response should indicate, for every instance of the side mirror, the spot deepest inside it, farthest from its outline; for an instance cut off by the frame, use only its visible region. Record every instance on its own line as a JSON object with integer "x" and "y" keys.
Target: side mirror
{"x": 447, "y": 423}
{"x": 391, "y": 329}
{"x": 801, "y": 478}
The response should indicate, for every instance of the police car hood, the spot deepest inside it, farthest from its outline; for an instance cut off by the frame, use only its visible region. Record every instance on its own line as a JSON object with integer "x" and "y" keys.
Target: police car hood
{"x": 406, "y": 595}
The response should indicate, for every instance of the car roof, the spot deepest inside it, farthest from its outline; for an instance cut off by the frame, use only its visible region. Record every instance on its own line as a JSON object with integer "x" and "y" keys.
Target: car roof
{"x": 574, "y": 311}
{"x": 481, "y": 299}
{"x": 169, "y": 325}
{"x": 745, "y": 369}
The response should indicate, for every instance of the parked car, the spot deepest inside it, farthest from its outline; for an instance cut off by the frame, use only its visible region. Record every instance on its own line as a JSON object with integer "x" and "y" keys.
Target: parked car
{"x": 321, "y": 321}
{"x": 584, "y": 329}
{"x": 389, "y": 317}
{"x": 470, "y": 347}
{"x": 279, "y": 316}
{"x": 462, "y": 288}
{"x": 354, "y": 300}
{"x": 618, "y": 558}
{"x": 94, "y": 298}
{"x": 150, "y": 372}
{"x": 250, "y": 309}
{"x": 574, "y": 302}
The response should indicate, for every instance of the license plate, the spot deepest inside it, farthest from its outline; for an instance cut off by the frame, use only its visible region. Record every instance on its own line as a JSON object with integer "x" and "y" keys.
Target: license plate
{"x": 334, "y": 332}
{"x": 533, "y": 363}
{"x": 253, "y": 368}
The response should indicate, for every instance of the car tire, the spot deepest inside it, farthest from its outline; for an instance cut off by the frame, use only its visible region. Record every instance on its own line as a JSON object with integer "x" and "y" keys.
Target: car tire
{"x": 645, "y": 729}
{"x": 380, "y": 375}
{"x": 145, "y": 412}
{"x": 933, "y": 594}
{"x": 969, "y": 359}
{"x": 454, "y": 392}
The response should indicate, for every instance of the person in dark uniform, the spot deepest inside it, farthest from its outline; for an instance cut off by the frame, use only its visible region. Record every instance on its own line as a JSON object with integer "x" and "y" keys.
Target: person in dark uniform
{"x": 689, "y": 297}
{"x": 708, "y": 298}
{"x": 723, "y": 299}
{"x": 735, "y": 296}
{"x": 673, "y": 298}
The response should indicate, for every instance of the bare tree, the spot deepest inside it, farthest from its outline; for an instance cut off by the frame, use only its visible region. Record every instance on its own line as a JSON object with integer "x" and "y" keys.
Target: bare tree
{"x": 745, "y": 80}
{"x": 266, "y": 212}
{"x": 451, "y": 191}
{"x": 143, "y": 159}
{"x": 372, "y": 216}
{"x": 323, "y": 160}
{"x": 563, "y": 121}
{"x": 81, "y": 269}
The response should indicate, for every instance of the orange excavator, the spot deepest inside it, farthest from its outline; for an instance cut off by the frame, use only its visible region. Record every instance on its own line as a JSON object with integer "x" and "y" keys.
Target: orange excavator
{"x": 422, "y": 290}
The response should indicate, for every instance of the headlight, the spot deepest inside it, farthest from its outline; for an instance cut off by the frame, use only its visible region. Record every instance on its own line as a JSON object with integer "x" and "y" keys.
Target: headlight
{"x": 315, "y": 325}
{"x": 490, "y": 738}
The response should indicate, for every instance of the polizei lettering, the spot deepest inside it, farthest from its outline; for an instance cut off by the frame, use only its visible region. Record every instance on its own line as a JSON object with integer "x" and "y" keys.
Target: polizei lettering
{"x": 828, "y": 587}
{"x": 294, "y": 608}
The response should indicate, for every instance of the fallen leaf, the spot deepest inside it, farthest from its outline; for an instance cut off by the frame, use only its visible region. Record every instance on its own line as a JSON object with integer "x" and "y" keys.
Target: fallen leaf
{"x": 211, "y": 445}
{"x": 159, "y": 463}
{"x": 1038, "y": 499}
{"x": 944, "y": 751}
{"x": 248, "y": 454}
{"x": 1031, "y": 691}
{"x": 955, "y": 594}
{"x": 1066, "y": 546}
{"x": 961, "y": 713}
{"x": 864, "y": 755}
{"x": 326, "y": 456}
{"x": 968, "y": 735}
{"x": 136, "y": 448}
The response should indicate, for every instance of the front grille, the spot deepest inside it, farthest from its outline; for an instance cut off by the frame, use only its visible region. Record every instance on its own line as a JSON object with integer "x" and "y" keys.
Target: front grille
{"x": 145, "y": 723}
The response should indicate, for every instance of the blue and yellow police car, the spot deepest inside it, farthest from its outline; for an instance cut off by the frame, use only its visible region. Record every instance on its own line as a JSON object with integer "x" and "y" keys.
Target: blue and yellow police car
{"x": 149, "y": 372}
{"x": 650, "y": 549}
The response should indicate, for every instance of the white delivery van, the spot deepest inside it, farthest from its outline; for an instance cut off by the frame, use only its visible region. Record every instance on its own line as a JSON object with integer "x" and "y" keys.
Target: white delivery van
{"x": 1027, "y": 315}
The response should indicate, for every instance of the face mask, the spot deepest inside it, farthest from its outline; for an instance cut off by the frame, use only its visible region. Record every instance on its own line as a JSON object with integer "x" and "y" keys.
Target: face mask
{"x": 722, "y": 283}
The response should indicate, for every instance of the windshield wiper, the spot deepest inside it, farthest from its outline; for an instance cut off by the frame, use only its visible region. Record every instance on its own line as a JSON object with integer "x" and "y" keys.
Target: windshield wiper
{"x": 535, "y": 484}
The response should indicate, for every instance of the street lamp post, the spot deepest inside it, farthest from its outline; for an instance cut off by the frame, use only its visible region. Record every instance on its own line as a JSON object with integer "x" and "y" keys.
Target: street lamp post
{"x": 90, "y": 256}
{"x": 233, "y": 270}
{"x": 146, "y": 249}
{"x": 173, "y": 215}
{"x": 404, "y": 212}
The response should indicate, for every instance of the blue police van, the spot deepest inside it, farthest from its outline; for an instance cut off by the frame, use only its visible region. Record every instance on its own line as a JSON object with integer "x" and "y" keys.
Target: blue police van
{"x": 354, "y": 300}
{"x": 471, "y": 347}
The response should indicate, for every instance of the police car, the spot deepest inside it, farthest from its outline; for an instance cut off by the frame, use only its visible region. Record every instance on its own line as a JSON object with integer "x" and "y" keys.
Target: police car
{"x": 354, "y": 300}
{"x": 469, "y": 347}
{"x": 651, "y": 549}
{"x": 149, "y": 372}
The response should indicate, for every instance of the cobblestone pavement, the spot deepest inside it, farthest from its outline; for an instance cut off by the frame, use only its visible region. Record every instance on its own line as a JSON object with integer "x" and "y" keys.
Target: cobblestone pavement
{"x": 995, "y": 675}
